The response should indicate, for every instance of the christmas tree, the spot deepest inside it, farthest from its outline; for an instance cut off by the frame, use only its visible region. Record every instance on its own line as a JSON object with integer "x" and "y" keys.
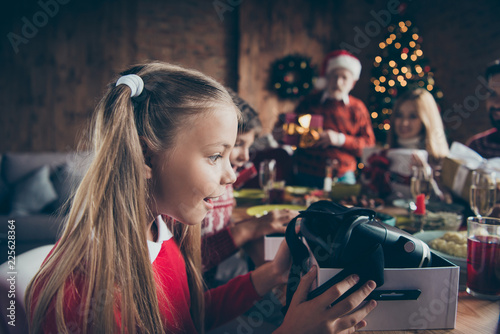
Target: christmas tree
{"x": 400, "y": 66}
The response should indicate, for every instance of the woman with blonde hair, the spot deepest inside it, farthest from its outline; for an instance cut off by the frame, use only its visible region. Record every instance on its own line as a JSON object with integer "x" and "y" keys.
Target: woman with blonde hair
{"x": 161, "y": 139}
{"x": 417, "y": 124}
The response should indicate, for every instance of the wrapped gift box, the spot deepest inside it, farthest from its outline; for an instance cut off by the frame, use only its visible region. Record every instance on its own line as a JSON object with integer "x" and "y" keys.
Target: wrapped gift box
{"x": 456, "y": 171}
{"x": 457, "y": 177}
{"x": 400, "y": 167}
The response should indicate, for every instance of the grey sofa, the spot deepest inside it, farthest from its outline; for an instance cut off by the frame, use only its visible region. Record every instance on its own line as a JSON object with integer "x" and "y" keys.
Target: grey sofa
{"x": 33, "y": 188}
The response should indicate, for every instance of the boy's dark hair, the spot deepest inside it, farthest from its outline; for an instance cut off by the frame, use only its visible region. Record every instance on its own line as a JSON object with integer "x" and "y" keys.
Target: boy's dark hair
{"x": 492, "y": 69}
{"x": 249, "y": 117}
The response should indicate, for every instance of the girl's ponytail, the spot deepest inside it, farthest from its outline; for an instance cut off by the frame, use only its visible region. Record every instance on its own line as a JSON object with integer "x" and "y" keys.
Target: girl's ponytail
{"x": 106, "y": 232}
{"x": 103, "y": 252}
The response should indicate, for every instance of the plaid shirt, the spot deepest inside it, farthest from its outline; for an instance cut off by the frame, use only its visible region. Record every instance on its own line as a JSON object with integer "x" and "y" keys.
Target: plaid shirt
{"x": 486, "y": 143}
{"x": 217, "y": 242}
{"x": 353, "y": 120}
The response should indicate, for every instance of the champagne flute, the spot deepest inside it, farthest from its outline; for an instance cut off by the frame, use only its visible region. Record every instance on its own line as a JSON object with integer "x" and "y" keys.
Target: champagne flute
{"x": 267, "y": 176}
{"x": 421, "y": 181}
{"x": 482, "y": 192}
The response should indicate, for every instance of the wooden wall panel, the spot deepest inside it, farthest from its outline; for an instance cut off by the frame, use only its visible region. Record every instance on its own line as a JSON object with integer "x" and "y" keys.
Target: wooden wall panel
{"x": 53, "y": 82}
{"x": 189, "y": 33}
{"x": 51, "y": 86}
{"x": 271, "y": 30}
{"x": 459, "y": 42}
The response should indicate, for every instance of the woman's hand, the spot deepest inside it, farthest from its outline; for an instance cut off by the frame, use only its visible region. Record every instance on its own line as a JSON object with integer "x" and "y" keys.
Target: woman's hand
{"x": 316, "y": 315}
{"x": 255, "y": 228}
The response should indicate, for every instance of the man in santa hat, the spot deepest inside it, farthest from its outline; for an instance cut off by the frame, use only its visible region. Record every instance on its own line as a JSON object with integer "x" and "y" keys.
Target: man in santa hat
{"x": 347, "y": 128}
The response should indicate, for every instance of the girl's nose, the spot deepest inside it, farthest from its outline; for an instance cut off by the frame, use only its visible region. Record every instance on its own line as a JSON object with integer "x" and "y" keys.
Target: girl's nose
{"x": 228, "y": 176}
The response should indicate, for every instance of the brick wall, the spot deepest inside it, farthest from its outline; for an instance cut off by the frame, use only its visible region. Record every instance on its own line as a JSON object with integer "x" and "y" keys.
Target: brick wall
{"x": 51, "y": 85}
{"x": 459, "y": 38}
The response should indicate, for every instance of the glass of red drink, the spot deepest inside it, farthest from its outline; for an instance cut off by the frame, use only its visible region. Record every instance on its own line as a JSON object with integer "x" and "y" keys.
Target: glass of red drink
{"x": 277, "y": 192}
{"x": 483, "y": 257}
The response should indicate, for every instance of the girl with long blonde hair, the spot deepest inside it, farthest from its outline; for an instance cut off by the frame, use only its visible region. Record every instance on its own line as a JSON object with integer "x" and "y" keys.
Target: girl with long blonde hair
{"x": 161, "y": 140}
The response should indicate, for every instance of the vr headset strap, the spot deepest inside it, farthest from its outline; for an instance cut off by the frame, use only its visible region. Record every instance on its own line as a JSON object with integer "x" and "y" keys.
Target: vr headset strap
{"x": 299, "y": 254}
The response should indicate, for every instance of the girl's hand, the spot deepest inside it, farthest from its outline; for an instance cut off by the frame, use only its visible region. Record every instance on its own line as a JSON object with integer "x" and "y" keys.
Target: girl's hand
{"x": 273, "y": 273}
{"x": 316, "y": 315}
{"x": 282, "y": 263}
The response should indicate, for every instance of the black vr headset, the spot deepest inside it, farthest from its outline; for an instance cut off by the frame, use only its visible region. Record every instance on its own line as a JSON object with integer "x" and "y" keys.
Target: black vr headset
{"x": 352, "y": 239}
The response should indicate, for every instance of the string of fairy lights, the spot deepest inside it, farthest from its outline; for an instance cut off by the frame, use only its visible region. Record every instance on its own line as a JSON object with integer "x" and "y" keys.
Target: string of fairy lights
{"x": 400, "y": 65}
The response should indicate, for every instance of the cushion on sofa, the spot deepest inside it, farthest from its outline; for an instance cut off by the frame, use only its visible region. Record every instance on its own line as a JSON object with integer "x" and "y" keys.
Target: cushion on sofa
{"x": 33, "y": 193}
{"x": 17, "y": 166}
{"x": 66, "y": 171}
{"x": 65, "y": 180}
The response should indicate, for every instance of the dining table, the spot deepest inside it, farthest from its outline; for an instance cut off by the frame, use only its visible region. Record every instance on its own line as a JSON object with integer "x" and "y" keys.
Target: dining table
{"x": 474, "y": 315}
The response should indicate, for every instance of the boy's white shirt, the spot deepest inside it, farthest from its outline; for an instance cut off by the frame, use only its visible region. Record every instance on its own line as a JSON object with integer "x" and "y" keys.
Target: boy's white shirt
{"x": 164, "y": 234}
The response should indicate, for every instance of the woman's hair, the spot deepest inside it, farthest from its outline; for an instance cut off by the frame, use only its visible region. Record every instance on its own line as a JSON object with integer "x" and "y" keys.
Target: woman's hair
{"x": 428, "y": 112}
{"x": 104, "y": 242}
{"x": 249, "y": 117}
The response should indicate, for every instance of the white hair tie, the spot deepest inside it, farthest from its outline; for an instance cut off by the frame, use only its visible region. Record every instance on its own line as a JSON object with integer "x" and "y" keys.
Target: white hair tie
{"x": 134, "y": 82}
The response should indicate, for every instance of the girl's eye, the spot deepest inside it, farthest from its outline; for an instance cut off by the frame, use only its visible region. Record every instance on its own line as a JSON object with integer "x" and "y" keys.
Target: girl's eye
{"x": 214, "y": 158}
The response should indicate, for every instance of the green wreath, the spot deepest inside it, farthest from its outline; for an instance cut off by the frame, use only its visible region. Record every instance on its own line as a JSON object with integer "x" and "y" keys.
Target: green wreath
{"x": 292, "y": 76}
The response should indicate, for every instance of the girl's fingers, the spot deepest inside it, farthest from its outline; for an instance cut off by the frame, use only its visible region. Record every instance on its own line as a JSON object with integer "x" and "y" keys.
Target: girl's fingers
{"x": 334, "y": 292}
{"x": 352, "y": 322}
{"x": 306, "y": 281}
{"x": 354, "y": 300}
{"x": 360, "y": 325}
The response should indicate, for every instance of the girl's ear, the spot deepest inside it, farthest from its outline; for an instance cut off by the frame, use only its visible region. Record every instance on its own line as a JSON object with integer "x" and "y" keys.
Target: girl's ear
{"x": 147, "y": 153}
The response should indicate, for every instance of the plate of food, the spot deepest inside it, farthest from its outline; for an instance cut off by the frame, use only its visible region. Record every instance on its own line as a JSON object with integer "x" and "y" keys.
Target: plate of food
{"x": 298, "y": 191}
{"x": 450, "y": 245}
{"x": 261, "y": 210}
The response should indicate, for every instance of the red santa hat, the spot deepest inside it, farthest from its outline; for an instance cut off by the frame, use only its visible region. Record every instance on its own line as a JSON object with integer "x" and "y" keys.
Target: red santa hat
{"x": 338, "y": 59}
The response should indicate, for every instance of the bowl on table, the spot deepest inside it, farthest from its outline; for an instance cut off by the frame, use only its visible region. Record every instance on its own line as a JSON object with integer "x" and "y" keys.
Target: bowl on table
{"x": 429, "y": 236}
{"x": 386, "y": 219}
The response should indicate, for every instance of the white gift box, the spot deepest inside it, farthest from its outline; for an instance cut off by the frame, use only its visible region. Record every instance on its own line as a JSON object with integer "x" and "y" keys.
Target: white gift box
{"x": 271, "y": 245}
{"x": 436, "y": 286}
{"x": 457, "y": 168}
{"x": 400, "y": 166}
{"x": 434, "y": 308}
